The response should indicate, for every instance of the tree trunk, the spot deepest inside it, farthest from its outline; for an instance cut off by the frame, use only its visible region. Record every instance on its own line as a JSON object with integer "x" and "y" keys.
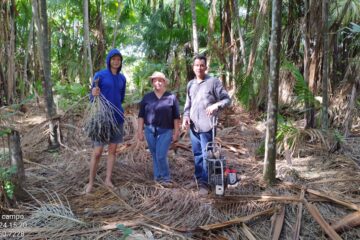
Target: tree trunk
{"x": 26, "y": 61}
{"x": 117, "y": 23}
{"x": 272, "y": 109}
{"x": 293, "y": 40}
{"x": 17, "y": 161}
{"x": 211, "y": 29}
{"x": 194, "y": 27}
{"x": 352, "y": 102}
{"x": 87, "y": 40}
{"x": 259, "y": 28}
{"x": 100, "y": 48}
{"x": 11, "y": 84}
{"x": 248, "y": 11}
{"x": 306, "y": 36}
{"x": 325, "y": 13}
{"x": 241, "y": 38}
{"x": 44, "y": 50}
{"x": 226, "y": 44}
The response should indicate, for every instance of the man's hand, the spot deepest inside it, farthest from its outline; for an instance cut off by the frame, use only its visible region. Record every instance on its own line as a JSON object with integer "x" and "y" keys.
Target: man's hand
{"x": 186, "y": 123}
{"x": 95, "y": 91}
{"x": 211, "y": 109}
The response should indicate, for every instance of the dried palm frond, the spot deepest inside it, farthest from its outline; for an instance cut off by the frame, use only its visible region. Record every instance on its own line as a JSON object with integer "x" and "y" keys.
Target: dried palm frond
{"x": 289, "y": 137}
{"x": 52, "y": 218}
{"x": 100, "y": 122}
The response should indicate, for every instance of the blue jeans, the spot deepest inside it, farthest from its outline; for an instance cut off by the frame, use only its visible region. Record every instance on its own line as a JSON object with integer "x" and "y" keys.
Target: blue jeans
{"x": 198, "y": 144}
{"x": 159, "y": 140}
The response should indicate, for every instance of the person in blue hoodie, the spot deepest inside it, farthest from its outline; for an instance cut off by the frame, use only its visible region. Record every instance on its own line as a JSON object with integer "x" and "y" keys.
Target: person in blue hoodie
{"x": 111, "y": 85}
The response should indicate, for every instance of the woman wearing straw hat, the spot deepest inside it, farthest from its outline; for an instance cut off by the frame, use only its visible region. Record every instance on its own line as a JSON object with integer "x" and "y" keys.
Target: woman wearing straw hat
{"x": 159, "y": 120}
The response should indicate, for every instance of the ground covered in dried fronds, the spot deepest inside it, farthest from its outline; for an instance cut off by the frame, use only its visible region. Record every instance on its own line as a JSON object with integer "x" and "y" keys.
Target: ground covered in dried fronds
{"x": 316, "y": 194}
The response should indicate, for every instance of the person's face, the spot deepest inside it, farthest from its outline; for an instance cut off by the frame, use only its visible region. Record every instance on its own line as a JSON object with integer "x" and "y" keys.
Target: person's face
{"x": 115, "y": 62}
{"x": 158, "y": 84}
{"x": 199, "y": 68}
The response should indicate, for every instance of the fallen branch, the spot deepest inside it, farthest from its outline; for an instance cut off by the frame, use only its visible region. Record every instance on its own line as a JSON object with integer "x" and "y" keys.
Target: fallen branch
{"x": 349, "y": 221}
{"x": 277, "y": 223}
{"x": 259, "y": 198}
{"x": 347, "y": 204}
{"x": 323, "y": 224}
{"x": 43, "y": 166}
{"x": 335, "y": 180}
{"x": 247, "y": 232}
{"x": 237, "y": 220}
{"x": 296, "y": 234}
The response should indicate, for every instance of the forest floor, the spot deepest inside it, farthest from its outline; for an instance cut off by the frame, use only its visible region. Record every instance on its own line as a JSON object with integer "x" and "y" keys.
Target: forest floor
{"x": 317, "y": 195}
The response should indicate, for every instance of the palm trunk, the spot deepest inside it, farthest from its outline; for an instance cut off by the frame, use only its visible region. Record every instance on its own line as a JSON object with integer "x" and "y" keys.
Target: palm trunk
{"x": 241, "y": 38}
{"x": 87, "y": 39}
{"x": 306, "y": 37}
{"x": 325, "y": 11}
{"x": 17, "y": 161}
{"x": 194, "y": 27}
{"x": 272, "y": 109}
{"x": 117, "y": 23}
{"x": 11, "y": 56}
{"x": 259, "y": 28}
{"x": 211, "y": 29}
{"x": 44, "y": 50}
{"x": 99, "y": 51}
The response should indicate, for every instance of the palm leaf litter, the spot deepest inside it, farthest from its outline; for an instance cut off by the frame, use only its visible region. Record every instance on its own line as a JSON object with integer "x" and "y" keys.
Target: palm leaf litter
{"x": 317, "y": 195}
{"x": 100, "y": 122}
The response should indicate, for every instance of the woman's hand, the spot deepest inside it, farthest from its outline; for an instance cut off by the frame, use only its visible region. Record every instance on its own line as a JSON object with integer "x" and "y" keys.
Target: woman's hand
{"x": 176, "y": 134}
{"x": 140, "y": 135}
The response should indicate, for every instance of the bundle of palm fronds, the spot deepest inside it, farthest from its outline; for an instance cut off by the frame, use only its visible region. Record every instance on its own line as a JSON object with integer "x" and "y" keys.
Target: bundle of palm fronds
{"x": 100, "y": 122}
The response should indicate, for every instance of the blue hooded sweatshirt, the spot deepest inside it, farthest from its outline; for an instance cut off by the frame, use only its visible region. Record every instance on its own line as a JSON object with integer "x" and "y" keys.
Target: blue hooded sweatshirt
{"x": 112, "y": 87}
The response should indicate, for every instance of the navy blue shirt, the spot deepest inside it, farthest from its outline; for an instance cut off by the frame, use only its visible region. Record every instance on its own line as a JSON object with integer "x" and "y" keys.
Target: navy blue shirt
{"x": 159, "y": 112}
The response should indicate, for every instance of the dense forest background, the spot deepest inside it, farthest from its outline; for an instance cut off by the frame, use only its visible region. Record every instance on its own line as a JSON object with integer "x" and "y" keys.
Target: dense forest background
{"x": 164, "y": 35}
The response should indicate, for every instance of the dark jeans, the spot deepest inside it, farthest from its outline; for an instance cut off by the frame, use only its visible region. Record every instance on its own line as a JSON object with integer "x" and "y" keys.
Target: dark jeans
{"x": 198, "y": 143}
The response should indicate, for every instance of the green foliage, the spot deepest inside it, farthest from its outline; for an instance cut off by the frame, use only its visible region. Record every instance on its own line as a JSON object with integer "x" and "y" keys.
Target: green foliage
{"x": 244, "y": 90}
{"x": 14, "y": 108}
{"x": 260, "y": 151}
{"x": 69, "y": 93}
{"x": 339, "y": 137}
{"x": 142, "y": 70}
{"x": 9, "y": 188}
{"x": 352, "y": 12}
{"x": 6, "y": 174}
{"x": 39, "y": 87}
{"x": 4, "y": 132}
{"x": 125, "y": 231}
{"x": 355, "y": 28}
{"x": 287, "y": 134}
{"x": 301, "y": 88}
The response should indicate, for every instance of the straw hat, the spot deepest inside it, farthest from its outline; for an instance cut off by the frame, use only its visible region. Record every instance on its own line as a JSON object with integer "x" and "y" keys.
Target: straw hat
{"x": 159, "y": 75}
